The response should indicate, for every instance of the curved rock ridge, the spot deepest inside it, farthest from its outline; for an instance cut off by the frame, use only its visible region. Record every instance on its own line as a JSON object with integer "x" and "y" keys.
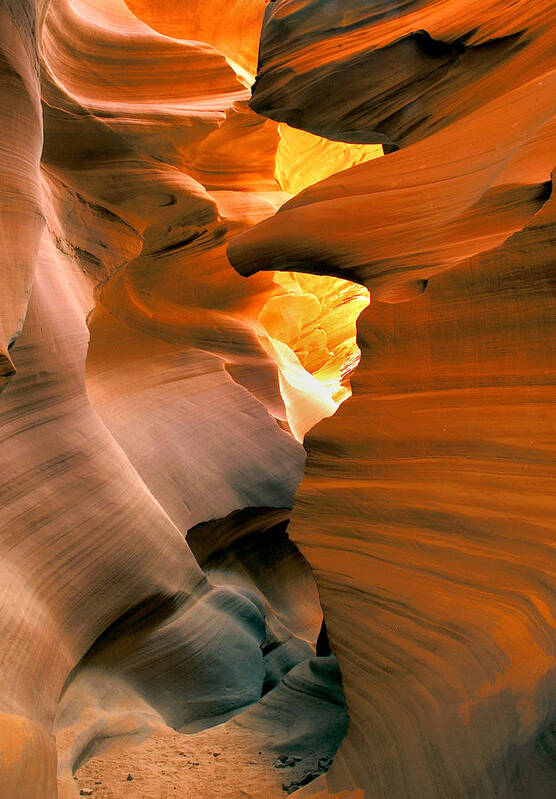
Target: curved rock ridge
{"x": 145, "y": 403}
{"x": 64, "y": 473}
{"x": 425, "y": 511}
{"x": 179, "y": 286}
{"x": 311, "y": 325}
{"x": 421, "y": 210}
{"x": 393, "y": 72}
{"x": 20, "y": 148}
{"x": 427, "y": 517}
{"x": 152, "y": 397}
{"x": 171, "y": 290}
{"x": 84, "y": 543}
{"x": 232, "y": 28}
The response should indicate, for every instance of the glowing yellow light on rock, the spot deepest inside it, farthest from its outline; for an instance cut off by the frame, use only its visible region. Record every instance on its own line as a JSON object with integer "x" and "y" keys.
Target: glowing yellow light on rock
{"x": 311, "y": 321}
{"x": 303, "y": 159}
{"x": 312, "y": 335}
{"x": 244, "y": 77}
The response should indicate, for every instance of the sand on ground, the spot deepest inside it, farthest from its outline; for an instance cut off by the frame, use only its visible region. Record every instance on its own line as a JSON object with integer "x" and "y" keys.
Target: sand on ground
{"x": 224, "y": 762}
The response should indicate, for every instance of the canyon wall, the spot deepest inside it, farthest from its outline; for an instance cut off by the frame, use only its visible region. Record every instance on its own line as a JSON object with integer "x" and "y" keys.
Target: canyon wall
{"x": 184, "y": 192}
{"x": 426, "y": 510}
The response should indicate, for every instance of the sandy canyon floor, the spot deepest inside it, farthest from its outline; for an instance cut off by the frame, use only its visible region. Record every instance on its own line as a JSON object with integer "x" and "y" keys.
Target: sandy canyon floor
{"x": 223, "y": 762}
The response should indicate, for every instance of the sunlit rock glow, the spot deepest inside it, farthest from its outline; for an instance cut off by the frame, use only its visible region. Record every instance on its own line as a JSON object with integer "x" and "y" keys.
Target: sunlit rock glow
{"x": 312, "y": 325}
{"x": 177, "y": 316}
{"x": 424, "y": 509}
{"x": 302, "y": 158}
{"x": 312, "y": 335}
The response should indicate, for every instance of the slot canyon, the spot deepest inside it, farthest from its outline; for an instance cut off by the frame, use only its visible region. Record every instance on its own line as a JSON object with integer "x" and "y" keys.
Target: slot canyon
{"x": 277, "y": 425}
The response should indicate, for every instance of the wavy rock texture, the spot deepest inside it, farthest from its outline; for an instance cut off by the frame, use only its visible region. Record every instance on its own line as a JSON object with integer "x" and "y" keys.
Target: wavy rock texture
{"x": 425, "y": 510}
{"x": 154, "y": 399}
{"x": 394, "y": 72}
{"x": 144, "y": 403}
{"x": 20, "y": 148}
{"x": 443, "y": 462}
{"x": 232, "y": 28}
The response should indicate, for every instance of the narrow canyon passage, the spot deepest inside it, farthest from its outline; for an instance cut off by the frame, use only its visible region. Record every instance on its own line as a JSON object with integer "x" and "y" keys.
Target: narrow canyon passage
{"x": 276, "y": 316}
{"x": 189, "y": 368}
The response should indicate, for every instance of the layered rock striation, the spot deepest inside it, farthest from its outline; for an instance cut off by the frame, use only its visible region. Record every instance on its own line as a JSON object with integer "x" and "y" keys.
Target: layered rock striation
{"x": 425, "y": 509}
{"x": 153, "y": 400}
{"x": 141, "y": 400}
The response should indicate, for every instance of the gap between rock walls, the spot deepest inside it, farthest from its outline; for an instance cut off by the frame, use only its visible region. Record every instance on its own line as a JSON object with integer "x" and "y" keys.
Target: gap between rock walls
{"x": 170, "y": 320}
{"x": 199, "y": 203}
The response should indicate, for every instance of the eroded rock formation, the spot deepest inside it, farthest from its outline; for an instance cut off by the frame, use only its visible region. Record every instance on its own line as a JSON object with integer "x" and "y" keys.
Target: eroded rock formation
{"x": 425, "y": 510}
{"x": 154, "y": 398}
